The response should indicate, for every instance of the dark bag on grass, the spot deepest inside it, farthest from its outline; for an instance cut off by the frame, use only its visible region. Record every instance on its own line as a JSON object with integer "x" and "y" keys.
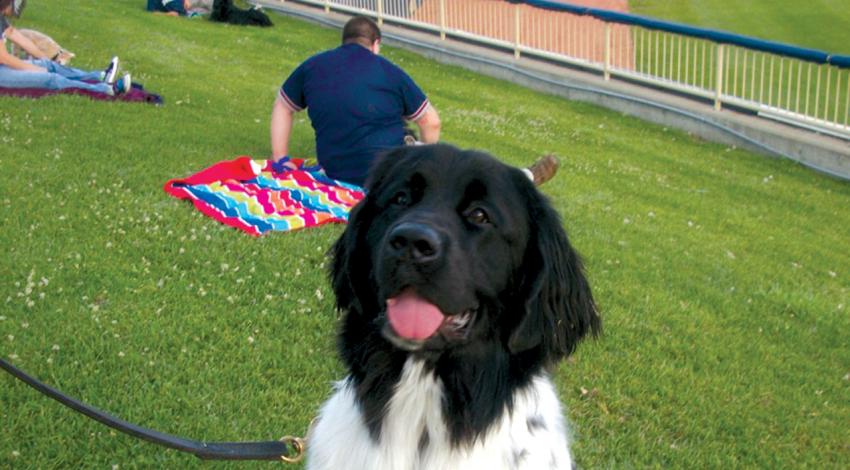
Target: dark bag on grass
{"x": 223, "y": 11}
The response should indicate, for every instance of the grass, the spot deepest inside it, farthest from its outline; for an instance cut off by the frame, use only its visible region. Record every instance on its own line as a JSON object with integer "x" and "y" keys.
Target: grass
{"x": 722, "y": 275}
{"x": 818, "y": 24}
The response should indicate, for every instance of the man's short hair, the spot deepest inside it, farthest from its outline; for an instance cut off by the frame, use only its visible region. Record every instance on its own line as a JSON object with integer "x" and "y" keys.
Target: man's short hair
{"x": 361, "y": 30}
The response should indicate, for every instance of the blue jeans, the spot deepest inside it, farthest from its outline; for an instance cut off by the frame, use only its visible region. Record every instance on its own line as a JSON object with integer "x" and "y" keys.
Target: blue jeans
{"x": 57, "y": 77}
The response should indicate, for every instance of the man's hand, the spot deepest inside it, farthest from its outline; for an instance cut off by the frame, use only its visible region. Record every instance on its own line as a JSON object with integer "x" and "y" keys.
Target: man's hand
{"x": 26, "y": 44}
{"x": 283, "y": 164}
{"x": 13, "y": 62}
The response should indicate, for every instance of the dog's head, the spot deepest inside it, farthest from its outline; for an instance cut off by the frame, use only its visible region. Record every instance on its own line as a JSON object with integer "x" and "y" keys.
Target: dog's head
{"x": 64, "y": 57}
{"x": 453, "y": 249}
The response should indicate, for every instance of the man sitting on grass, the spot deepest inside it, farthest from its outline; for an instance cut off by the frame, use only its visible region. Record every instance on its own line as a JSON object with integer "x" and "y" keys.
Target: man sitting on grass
{"x": 358, "y": 103}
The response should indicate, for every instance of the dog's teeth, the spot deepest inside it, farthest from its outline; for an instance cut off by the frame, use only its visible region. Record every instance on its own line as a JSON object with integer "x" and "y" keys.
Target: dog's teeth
{"x": 461, "y": 319}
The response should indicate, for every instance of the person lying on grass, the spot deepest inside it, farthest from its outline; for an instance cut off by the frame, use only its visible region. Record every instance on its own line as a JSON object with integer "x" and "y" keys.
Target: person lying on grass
{"x": 168, "y": 7}
{"x": 40, "y": 72}
{"x": 176, "y": 7}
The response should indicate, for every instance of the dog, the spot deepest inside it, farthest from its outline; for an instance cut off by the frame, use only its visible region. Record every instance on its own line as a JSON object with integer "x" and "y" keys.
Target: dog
{"x": 223, "y": 11}
{"x": 46, "y": 44}
{"x": 460, "y": 290}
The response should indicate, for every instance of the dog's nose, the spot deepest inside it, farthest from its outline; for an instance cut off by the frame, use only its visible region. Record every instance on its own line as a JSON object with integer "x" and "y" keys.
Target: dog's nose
{"x": 416, "y": 242}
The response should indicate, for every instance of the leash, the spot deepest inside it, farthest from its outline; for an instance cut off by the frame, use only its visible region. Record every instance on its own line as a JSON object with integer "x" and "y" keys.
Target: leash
{"x": 289, "y": 449}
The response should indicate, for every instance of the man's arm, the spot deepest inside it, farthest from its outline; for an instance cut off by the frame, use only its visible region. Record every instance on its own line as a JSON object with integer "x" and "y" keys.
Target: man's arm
{"x": 11, "y": 61}
{"x": 281, "y": 127}
{"x": 429, "y": 126}
{"x": 25, "y": 43}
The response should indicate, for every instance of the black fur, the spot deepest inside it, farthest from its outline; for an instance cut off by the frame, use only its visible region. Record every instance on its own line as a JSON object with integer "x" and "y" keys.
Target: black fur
{"x": 223, "y": 11}
{"x": 517, "y": 270}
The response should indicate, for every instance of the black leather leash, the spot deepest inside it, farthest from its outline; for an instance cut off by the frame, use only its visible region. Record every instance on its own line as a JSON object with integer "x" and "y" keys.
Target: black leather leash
{"x": 289, "y": 449}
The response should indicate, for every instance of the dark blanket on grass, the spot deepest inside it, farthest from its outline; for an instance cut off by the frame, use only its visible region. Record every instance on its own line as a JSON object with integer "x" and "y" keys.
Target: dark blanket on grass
{"x": 137, "y": 94}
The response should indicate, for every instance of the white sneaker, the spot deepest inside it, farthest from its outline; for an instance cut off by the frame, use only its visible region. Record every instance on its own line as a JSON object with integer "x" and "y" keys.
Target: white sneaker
{"x": 111, "y": 71}
{"x": 124, "y": 85}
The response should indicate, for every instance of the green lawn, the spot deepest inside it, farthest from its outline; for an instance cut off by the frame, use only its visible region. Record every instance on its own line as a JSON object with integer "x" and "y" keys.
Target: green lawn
{"x": 818, "y": 24}
{"x": 722, "y": 275}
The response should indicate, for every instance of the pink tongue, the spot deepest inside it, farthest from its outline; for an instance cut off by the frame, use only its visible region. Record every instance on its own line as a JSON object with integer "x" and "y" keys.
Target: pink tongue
{"x": 412, "y": 317}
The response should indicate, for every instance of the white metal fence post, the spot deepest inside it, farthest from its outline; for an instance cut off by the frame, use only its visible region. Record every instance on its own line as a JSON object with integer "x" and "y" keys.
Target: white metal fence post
{"x": 607, "y": 68}
{"x": 380, "y": 8}
{"x": 516, "y": 30}
{"x": 718, "y": 90}
{"x": 327, "y": 6}
{"x": 443, "y": 19}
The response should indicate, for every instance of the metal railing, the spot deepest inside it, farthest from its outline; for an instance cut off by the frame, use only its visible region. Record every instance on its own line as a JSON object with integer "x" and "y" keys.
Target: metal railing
{"x": 804, "y": 87}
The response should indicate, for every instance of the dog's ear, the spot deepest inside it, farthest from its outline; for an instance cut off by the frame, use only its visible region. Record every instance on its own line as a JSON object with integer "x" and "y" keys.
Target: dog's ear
{"x": 559, "y": 306}
{"x": 350, "y": 255}
{"x": 343, "y": 261}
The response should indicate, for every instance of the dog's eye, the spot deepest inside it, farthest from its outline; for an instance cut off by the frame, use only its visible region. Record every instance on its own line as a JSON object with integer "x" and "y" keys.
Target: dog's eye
{"x": 400, "y": 199}
{"x": 478, "y": 216}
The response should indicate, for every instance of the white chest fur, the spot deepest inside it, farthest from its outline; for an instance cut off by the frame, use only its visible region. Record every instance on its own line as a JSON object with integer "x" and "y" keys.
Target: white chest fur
{"x": 532, "y": 436}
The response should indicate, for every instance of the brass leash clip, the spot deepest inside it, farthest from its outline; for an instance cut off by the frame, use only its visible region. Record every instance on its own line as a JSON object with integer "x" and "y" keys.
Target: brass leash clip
{"x": 296, "y": 446}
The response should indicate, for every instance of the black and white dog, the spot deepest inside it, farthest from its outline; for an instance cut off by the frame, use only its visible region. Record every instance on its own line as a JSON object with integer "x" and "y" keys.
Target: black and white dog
{"x": 460, "y": 290}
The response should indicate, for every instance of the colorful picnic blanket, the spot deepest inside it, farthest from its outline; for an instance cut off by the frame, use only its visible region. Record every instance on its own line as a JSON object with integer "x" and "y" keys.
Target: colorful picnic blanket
{"x": 249, "y": 195}
{"x": 137, "y": 94}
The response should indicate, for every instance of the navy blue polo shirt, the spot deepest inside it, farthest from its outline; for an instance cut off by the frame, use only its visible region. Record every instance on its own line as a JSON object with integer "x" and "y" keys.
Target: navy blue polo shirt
{"x": 357, "y": 102}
